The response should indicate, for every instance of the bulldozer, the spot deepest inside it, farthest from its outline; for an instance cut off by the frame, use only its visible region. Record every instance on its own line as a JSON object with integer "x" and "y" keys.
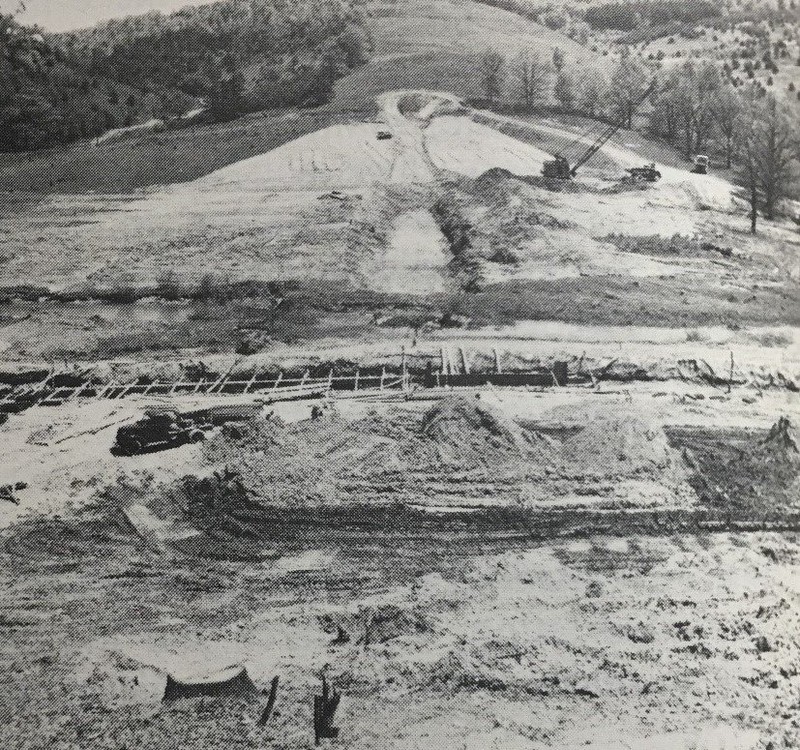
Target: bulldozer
{"x": 647, "y": 173}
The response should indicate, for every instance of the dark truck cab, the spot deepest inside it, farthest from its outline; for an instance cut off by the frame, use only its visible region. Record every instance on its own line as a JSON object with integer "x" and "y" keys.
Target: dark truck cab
{"x": 157, "y": 432}
{"x": 162, "y": 429}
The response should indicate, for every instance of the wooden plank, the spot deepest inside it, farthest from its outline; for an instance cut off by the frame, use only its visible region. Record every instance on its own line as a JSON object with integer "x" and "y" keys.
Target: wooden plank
{"x": 125, "y": 390}
{"x": 252, "y": 380}
{"x": 78, "y": 391}
{"x": 220, "y": 383}
{"x": 101, "y": 393}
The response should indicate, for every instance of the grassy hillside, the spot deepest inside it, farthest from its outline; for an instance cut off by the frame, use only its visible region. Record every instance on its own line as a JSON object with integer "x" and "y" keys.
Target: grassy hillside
{"x": 233, "y": 56}
{"x": 429, "y": 44}
{"x": 417, "y": 44}
{"x": 156, "y": 158}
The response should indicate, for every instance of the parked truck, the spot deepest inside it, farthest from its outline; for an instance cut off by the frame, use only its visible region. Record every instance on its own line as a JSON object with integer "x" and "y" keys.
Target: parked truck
{"x": 700, "y": 165}
{"x": 164, "y": 428}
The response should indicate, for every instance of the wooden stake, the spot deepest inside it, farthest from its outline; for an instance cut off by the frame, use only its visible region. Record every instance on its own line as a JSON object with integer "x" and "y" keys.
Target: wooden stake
{"x": 252, "y": 380}
{"x": 273, "y": 694}
{"x": 730, "y": 378}
{"x": 464, "y": 362}
{"x": 497, "y": 367}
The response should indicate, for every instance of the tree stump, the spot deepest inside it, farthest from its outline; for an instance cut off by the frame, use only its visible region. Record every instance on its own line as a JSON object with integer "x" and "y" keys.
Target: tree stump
{"x": 325, "y": 706}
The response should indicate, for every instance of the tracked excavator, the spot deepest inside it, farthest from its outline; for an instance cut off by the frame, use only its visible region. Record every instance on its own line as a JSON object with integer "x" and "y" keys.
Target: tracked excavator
{"x": 561, "y": 169}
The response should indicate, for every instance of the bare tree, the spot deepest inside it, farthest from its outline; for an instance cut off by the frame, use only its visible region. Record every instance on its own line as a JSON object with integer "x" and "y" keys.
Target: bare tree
{"x": 684, "y": 107}
{"x": 559, "y": 58}
{"x": 534, "y": 78}
{"x": 769, "y": 148}
{"x": 492, "y": 65}
{"x": 706, "y": 83}
{"x": 592, "y": 88}
{"x": 564, "y": 90}
{"x": 727, "y": 109}
{"x": 628, "y": 84}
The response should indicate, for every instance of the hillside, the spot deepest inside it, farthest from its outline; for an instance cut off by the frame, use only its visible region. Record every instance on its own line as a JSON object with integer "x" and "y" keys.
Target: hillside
{"x": 338, "y": 234}
{"x": 416, "y": 43}
{"x": 427, "y": 44}
{"x": 46, "y": 98}
{"x": 229, "y": 57}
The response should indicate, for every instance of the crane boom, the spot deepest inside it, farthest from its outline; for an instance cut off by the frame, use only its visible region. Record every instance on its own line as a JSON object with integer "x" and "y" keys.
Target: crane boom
{"x": 595, "y": 147}
{"x": 609, "y": 131}
{"x": 560, "y": 167}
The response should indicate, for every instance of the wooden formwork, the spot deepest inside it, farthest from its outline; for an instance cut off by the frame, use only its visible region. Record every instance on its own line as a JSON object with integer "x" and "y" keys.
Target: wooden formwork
{"x": 280, "y": 388}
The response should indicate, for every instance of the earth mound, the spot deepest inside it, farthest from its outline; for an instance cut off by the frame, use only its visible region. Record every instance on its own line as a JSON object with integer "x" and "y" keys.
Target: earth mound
{"x": 469, "y": 431}
{"x": 774, "y": 464}
{"x": 618, "y": 446}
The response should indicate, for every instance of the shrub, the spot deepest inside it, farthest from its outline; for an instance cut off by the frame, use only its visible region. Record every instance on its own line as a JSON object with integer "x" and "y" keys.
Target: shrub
{"x": 168, "y": 287}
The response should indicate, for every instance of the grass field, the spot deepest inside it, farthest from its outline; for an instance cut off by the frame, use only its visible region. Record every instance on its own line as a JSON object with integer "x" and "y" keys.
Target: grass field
{"x": 422, "y": 44}
{"x": 156, "y": 158}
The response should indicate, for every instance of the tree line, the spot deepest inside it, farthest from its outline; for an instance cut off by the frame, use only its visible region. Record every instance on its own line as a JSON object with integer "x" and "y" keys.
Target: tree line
{"x": 531, "y": 80}
{"x": 234, "y": 55}
{"x": 696, "y": 108}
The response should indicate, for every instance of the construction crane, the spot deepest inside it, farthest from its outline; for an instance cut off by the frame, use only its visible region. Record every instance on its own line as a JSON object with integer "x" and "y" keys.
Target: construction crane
{"x": 560, "y": 168}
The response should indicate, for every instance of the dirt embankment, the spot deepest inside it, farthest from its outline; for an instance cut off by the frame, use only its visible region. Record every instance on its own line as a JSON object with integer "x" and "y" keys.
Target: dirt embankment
{"x": 461, "y": 451}
{"x": 463, "y": 455}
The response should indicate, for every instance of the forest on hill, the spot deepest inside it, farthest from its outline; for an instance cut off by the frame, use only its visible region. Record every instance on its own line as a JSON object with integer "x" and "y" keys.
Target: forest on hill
{"x": 233, "y": 56}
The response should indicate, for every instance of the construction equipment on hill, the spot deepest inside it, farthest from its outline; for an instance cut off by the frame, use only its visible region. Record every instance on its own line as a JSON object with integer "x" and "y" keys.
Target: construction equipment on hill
{"x": 647, "y": 173}
{"x": 700, "y": 165}
{"x": 560, "y": 168}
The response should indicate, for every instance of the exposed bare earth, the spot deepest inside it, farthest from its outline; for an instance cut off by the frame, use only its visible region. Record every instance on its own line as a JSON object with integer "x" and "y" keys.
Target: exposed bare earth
{"x": 609, "y": 565}
{"x": 457, "y": 607}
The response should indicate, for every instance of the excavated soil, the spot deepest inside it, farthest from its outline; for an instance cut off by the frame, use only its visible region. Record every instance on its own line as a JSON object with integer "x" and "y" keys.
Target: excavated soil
{"x": 306, "y": 548}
